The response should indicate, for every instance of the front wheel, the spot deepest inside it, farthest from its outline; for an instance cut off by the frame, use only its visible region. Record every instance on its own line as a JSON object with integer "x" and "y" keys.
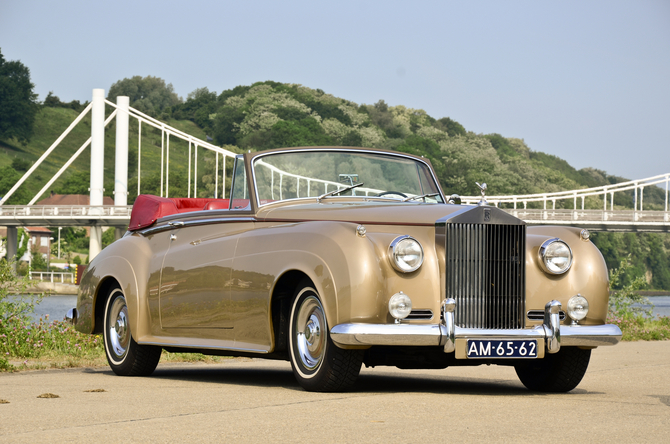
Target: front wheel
{"x": 558, "y": 373}
{"x": 125, "y": 356}
{"x": 318, "y": 364}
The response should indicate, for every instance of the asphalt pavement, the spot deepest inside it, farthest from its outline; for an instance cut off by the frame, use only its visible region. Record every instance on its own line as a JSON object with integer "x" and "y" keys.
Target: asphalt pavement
{"x": 624, "y": 397}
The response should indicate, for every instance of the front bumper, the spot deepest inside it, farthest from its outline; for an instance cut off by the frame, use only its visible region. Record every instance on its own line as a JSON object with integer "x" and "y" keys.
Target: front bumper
{"x": 446, "y": 333}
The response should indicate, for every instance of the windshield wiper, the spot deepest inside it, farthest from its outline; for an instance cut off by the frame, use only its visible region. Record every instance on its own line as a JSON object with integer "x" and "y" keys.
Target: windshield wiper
{"x": 423, "y": 196}
{"x": 338, "y": 191}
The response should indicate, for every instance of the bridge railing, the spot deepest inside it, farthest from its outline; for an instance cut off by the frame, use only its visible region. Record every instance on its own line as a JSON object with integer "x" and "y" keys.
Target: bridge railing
{"x": 52, "y": 276}
{"x": 166, "y": 133}
{"x": 590, "y": 215}
{"x": 64, "y": 211}
{"x": 308, "y": 180}
{"x": 606, "y": 192}
{"x": 193, "y": 144}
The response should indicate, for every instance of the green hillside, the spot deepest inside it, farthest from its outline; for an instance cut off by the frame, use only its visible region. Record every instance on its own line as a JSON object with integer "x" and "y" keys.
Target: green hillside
{"x": 51, "y": 122}
{"x": 270, "y": 115}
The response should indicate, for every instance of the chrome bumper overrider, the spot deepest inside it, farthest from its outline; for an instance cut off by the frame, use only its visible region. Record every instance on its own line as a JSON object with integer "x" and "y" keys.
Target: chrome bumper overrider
{"x": 446, "y": 333}
{"x": 71, "y": 316}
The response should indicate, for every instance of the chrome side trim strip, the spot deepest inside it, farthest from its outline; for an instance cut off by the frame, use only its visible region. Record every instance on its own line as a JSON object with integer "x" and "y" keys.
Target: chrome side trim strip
{"x": 193, "y": 223}
{"x": 208, "y": 347}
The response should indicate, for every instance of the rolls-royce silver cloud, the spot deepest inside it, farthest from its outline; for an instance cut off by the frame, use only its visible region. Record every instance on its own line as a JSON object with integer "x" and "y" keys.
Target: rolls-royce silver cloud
{"x": 332, "y": 258}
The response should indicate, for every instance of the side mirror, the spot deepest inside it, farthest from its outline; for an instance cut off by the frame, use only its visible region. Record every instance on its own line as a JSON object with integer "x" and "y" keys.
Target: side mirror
{"x": 454, "y": 199}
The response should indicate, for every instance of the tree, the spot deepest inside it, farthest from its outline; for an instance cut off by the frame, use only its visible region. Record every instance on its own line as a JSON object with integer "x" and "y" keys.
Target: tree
{"x": 76, "y": 183}
{"x": 8, "y": 178}
{"x": 149, "y": 94}
{"x": 53, "y": 101}
{"x": 449, "y": 126}
{"x": 305, "y": 132}
{"x": 39, "y": 263}
{"x": 18, "y": 102}
{"x": 199, "y": 106}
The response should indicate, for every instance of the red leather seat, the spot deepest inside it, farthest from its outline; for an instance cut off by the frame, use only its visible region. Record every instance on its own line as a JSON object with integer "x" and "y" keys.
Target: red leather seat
{"x": 218, "y": 204}
{"x": 148, "y": 208}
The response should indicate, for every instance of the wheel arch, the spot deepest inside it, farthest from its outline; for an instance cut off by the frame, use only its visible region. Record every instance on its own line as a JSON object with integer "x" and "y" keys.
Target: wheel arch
{"x": 280, "y": 305}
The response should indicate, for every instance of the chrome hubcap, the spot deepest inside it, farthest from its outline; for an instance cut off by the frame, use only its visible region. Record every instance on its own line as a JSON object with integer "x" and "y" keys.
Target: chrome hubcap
{"x": 310, "y": 334}
{"x": 119, "y": 333}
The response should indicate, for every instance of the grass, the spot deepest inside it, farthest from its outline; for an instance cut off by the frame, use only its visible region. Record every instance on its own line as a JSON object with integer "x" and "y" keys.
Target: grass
{"x": 56, "y": 344}
{"x": 641, "y": 328}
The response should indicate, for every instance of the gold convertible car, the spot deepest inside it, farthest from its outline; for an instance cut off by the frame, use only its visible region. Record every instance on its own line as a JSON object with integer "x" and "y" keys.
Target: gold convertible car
{"x": 336, "y": 257}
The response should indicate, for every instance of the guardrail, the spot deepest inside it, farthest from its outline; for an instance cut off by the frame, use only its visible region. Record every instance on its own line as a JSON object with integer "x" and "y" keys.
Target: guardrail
{"x": 62, "y": 277}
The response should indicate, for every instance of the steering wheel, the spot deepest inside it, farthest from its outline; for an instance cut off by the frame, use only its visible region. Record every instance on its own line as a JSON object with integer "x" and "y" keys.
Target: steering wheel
{"x": 392, "y": 193}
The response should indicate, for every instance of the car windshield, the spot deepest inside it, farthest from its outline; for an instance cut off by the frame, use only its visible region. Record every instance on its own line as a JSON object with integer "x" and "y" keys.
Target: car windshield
{"x": 301, "y": 174}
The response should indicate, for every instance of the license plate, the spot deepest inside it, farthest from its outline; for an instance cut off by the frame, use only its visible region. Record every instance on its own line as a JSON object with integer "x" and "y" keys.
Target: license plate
{"x": 486, "y": 349}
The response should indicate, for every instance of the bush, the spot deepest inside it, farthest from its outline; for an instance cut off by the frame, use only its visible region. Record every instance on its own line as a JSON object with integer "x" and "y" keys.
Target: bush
{"x": 21, "y": 338}
{"x": 626, "y": 301}
{"x": 14, "y": 313}
{"x": 630, "y": 311}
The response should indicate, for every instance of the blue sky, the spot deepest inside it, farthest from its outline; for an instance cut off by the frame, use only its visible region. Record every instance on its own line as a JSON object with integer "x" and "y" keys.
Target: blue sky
{"x": 588, "y": 81}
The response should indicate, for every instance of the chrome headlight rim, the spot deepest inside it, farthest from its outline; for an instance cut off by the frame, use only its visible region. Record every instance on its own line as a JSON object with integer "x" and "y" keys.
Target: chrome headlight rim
{"x": 394, "y": 255}
{"x": 542, "y": 254}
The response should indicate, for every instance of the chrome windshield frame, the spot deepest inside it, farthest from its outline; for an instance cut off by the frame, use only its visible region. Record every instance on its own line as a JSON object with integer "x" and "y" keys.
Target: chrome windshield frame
{"x": 260, "y": 155}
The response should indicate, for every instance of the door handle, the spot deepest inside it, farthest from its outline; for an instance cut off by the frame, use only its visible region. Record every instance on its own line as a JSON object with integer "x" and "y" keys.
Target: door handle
{"x": 176, "y": 224}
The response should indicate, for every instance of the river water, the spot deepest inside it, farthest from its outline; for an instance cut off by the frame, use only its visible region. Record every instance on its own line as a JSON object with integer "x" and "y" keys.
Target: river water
{"x": 57, "y": 306}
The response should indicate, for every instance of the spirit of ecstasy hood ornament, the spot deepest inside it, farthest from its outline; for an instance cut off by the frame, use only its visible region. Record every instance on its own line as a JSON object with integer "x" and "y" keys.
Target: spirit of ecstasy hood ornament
{"x": 482, "y": 189}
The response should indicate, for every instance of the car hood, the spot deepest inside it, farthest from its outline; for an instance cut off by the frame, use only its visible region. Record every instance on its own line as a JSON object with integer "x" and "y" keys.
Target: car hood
{"x": 387, "y": 213}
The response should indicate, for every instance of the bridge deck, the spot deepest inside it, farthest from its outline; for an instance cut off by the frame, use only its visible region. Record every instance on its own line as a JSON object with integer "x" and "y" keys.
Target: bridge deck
{"x": 119, "y": 216}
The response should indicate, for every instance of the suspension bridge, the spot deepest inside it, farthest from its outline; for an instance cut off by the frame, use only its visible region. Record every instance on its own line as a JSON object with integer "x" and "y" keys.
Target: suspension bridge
{"x": 96, "y": 214}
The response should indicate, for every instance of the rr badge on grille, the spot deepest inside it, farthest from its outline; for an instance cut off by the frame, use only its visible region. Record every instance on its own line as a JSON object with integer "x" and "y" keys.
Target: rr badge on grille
{"x": 487, "y": 215}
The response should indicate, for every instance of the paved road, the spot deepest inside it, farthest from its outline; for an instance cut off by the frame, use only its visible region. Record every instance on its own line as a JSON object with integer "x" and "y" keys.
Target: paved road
{"x": 624, "y": 397}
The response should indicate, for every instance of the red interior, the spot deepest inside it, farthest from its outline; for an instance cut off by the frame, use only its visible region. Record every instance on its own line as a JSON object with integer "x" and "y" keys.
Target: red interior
{"x": 148, "y": 208}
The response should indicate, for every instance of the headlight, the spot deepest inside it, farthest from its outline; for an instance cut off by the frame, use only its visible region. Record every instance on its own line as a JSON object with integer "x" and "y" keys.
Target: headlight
{"x": 578, "y": 307}
{"x": 400, "y": 305}
{"x": 406, "y": 254}
{"x": 555, "y": 256}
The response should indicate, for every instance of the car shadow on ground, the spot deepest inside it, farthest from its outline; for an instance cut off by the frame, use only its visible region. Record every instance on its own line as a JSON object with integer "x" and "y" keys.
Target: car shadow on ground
{"x": 368, "y": 382}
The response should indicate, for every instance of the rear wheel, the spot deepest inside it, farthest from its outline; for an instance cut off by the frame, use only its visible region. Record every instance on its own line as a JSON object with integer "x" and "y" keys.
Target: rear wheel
{"x": 318, "y": 364}
{"x": 125, "y": 356}
{"x": 558, "y": 372}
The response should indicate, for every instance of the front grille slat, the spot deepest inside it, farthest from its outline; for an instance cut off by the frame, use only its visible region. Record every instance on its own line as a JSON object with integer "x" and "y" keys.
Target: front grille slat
{"x": 485, "y": 267}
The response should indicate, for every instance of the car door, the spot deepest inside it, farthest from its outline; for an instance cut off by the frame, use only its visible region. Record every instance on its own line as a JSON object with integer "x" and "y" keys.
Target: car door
{"x": 195, "y": 279}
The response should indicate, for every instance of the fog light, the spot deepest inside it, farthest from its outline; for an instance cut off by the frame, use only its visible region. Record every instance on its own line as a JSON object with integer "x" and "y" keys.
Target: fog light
{"x": 578, "y": 308}
{"x": 400, "y": 305}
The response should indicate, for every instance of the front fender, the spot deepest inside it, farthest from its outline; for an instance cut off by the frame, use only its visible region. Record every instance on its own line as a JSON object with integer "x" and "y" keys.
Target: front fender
{"x": 342, "y": 266}
{"x": 588, "y": 275}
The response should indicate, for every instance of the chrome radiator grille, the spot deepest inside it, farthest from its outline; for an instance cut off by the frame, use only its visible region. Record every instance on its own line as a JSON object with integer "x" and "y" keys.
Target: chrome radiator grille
{"x": 485, "y": 274}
